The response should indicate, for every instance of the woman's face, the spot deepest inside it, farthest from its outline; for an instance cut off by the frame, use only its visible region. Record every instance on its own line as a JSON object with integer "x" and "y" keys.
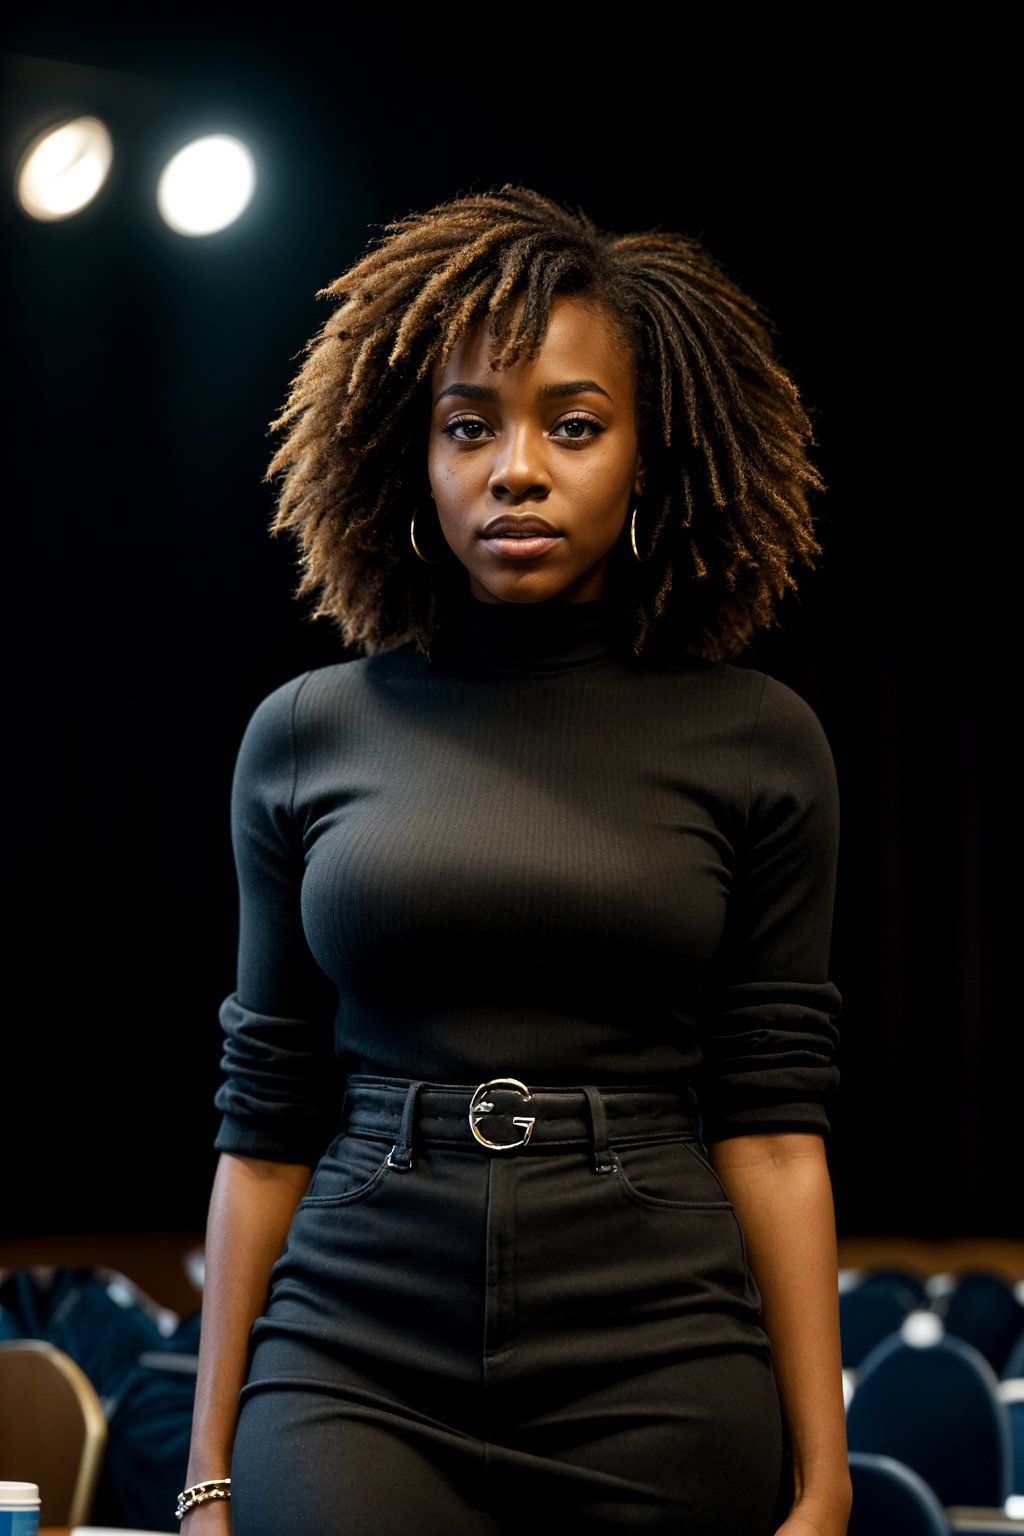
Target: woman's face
{"x": 533, "y": 468}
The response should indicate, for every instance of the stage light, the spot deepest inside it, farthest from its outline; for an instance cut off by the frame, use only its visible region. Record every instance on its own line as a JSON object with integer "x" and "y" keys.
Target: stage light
{"x": 206, "y": 186}
{"x": 64, "y": 168}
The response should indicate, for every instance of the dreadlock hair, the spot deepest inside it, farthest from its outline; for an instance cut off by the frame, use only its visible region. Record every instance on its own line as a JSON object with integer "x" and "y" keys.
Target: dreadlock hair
{"x": 724, "y": 520}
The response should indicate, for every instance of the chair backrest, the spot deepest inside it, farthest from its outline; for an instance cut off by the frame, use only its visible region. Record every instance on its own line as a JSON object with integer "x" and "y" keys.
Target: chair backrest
{"x": 936, "y": 1408}
{"x": 889, "y": 1277}
{"x": 891, "y": 1499}
{"x": 53, "y": 1430}
{"x": 984, "y": 1309}
{"x": 1013, "y": 1365}
{"x": 869, "y": 1313}
{"x": 1011, "y": 1392}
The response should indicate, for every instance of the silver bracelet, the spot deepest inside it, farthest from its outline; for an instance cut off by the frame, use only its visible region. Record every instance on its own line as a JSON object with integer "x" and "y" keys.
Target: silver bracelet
{"x": 201, "y": 1493}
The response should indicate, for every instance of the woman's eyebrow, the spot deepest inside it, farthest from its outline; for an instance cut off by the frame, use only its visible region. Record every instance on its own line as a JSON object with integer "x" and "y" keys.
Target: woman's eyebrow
{"x": 548, "y": 392}
{"x": 573, "y": 387}
{"x": 469, "y": 391}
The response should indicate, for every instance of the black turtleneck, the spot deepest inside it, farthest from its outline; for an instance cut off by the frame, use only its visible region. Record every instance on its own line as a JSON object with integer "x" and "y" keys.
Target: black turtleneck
{"x": 531, "y": 857}
{"x": 535, "y": 638}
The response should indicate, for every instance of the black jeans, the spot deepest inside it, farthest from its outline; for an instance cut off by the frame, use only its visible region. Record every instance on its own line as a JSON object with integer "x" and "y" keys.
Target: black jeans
{"x": 460, "y": 1339}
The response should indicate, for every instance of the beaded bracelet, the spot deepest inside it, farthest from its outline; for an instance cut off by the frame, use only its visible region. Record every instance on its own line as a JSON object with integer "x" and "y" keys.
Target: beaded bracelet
{"x": 201, "y": 1493}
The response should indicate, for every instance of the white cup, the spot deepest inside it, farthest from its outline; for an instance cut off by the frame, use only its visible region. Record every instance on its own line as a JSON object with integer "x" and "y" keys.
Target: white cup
{"x": 19, "y": 1509}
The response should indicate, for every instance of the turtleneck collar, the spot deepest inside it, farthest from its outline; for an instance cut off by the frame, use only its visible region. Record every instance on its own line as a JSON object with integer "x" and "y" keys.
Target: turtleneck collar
{"x": 535, "y": 637}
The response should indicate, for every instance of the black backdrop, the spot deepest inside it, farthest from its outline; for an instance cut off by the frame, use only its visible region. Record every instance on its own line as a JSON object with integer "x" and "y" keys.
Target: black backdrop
{"x": 839, "y": 180}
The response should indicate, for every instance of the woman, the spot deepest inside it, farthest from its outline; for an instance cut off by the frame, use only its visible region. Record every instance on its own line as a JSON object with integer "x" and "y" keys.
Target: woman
{"x": 522, "y": 1202}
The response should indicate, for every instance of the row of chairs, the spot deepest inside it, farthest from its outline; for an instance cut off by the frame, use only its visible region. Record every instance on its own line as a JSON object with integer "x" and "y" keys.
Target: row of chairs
{"x": 981, "y": 1307}
{"x": 934, "y": 1375}
{"x": 924, "y": 1426}
{"x": 932, "y": 1427}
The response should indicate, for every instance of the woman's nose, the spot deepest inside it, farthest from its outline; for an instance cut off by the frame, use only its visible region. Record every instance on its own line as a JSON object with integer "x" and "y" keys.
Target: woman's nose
{"x": 519, "y": 470}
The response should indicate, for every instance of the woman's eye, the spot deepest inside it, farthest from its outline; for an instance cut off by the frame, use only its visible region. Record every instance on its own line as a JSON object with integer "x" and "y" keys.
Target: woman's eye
{"x": 577, "y": 427}
{"x": 465, "y": 429}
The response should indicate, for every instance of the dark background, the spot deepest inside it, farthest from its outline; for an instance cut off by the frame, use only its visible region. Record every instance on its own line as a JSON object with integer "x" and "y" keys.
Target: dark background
{"x": 851, "y": 183}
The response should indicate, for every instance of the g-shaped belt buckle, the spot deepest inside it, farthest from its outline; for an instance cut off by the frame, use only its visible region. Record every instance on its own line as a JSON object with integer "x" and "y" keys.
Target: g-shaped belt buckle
{"x": 480, "y": 1105}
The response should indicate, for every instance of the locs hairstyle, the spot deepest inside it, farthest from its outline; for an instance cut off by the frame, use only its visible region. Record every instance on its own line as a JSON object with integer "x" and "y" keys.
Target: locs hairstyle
{"x": 724, "y": 521}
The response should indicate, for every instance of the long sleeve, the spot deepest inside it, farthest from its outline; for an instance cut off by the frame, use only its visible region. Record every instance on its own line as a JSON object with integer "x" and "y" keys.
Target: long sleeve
{"x": 771, "y": 1030}
{"x": 281, "y": 1090}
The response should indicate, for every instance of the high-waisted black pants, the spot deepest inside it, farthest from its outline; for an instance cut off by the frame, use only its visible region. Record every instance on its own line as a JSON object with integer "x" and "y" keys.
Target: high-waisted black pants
{"x": 462, "y": 1338}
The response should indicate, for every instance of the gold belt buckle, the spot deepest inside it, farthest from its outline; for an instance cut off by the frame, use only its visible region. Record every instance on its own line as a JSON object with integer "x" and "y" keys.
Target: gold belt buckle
{"x": 480, "y": 1105}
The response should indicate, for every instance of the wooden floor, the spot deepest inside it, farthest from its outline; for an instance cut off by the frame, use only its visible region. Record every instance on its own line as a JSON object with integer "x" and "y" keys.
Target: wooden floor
{"x": 156, "y": 1261}
{"x": 1001, "y": 1256}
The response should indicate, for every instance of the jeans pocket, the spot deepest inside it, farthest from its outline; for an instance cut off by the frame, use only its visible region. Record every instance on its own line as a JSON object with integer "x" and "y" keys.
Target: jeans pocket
{"x": 349, "y": 1170}
{"x": 669, "y": 1174}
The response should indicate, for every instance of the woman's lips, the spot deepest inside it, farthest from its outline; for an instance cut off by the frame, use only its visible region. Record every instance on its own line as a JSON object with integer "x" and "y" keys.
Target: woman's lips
{"x": 519, "y": 538}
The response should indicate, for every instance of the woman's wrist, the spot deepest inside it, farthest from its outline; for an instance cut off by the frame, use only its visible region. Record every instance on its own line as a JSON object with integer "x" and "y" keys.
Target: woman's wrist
{"x": 825, "y": 1507}
{"x": 206, "y": 1491}
{"x": 213, "y": 1519}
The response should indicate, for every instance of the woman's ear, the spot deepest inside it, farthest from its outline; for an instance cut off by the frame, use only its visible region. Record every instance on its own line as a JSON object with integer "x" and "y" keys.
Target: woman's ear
{"x": 639, "y": 477}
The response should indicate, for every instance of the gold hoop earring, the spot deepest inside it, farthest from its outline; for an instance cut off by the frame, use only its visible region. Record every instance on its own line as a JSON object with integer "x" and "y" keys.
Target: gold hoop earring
{"x": 632, "y": 536}
{"x": 416, "y": 549}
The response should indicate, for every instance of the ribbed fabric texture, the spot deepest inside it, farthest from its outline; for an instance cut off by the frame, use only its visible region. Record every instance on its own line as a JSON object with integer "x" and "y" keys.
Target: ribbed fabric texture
{"x": 534, "y": 857}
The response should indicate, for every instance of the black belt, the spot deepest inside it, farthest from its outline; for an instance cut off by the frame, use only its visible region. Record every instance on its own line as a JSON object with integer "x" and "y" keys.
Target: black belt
{"x": 504, "y": 1115}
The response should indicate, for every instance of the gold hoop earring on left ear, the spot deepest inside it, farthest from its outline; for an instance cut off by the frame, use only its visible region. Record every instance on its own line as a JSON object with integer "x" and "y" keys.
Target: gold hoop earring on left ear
{"x": 632, "y": 536}
{"x": 416, "y": 549}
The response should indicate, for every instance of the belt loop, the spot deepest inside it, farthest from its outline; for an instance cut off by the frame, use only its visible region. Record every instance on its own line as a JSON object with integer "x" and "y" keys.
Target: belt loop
{"x": 400, "y": 1156}
{"x": 604, "y": 1162}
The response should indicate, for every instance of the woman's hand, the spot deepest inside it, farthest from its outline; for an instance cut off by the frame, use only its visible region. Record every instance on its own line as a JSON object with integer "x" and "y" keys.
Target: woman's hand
{"x": 212, "y": 1519}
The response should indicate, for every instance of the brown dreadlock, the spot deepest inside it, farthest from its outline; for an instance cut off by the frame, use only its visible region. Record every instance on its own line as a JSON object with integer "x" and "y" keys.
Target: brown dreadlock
{"x": 723, "y": 434}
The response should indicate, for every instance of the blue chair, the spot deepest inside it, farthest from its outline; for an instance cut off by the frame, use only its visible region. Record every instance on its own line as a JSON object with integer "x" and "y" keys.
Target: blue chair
{"x": 893, "y": 1278}
{"x": 1013, "y": 1365}
{"x": 1011, "y": 1392}
{"x": 936, "y": 1408}
{"x": 891, "y": 1499}
{"x": 983, "y": 1309}
{"x": 869, "y": 1312}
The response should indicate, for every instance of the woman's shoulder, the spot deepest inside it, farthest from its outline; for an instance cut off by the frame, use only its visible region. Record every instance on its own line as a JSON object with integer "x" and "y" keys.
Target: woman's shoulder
{"x": 749, "y": 690}
{"x": 297, "y": 725}
{"x": 790, "y": 749}
{"x": 323, "y": 689}
{"x": 276, "y": 711}
{"x": 758, "y": 712}
{"x": 320, "y": 706}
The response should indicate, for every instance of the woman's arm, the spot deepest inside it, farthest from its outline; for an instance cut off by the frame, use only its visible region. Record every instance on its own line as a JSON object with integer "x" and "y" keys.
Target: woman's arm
{"x": 251, "y": 1208}
{"x": 780, "y": 1189}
